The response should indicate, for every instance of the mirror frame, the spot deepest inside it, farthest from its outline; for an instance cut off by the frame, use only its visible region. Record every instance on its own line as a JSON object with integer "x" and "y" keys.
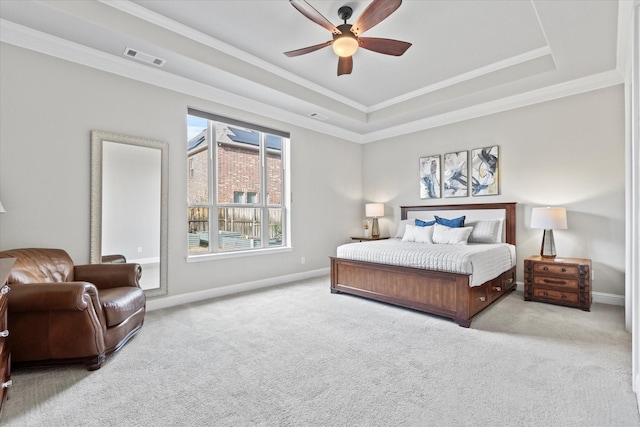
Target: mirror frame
{"x": 97, "y": 139}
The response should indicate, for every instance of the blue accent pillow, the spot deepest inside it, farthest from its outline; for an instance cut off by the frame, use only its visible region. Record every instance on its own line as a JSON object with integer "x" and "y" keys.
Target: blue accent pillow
{"x": 454, "y": 223}
{"x": 421, "y": 223}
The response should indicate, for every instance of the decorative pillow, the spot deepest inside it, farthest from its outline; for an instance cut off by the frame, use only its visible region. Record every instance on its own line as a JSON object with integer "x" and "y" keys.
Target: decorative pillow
{"x": 418, "y": 234}
{"x": 421, "y": 223}
{"x": 401, "y": 227}
{"x": 451, "y": 235}
{"x": 455, "y": 222}
{"x": 485, "y": 231}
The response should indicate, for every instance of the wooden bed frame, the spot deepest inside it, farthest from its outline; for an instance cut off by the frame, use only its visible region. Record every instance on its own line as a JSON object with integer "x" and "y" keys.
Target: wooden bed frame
{"x": 429, "y": 291}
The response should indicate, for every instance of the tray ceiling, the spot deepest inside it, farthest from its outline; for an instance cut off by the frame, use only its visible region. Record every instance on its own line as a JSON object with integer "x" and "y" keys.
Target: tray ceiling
{"x": 468, "y": 58}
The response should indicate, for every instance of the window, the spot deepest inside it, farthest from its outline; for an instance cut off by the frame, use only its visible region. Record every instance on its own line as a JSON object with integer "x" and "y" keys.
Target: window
{"x": 238, "y": 196}
{"x": 237, "y": 191}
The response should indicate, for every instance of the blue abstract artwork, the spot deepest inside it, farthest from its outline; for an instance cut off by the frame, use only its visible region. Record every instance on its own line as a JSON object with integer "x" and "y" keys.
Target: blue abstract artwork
{"x": 455, "y": 174}
{"x": 430, "y": 177}
{"x": 484, "y": 171}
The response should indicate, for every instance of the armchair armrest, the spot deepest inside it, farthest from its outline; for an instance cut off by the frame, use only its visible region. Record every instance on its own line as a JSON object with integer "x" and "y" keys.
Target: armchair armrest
{"x": 73, "y": 296}
{"x": 105, "y": 276}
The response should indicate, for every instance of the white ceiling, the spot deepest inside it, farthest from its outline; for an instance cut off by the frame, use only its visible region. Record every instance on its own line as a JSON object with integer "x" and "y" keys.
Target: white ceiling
{"x": 468, "y": 58}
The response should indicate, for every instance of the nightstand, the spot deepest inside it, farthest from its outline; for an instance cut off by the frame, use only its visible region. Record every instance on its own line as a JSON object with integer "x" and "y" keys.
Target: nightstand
{"x": 368, "y": 239}
{"x": 564, "y": 281}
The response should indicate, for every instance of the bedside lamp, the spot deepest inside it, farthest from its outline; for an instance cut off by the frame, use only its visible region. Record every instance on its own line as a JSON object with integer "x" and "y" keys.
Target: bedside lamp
{"x": 548, "y": 219}
{"x": 374, "y": 210}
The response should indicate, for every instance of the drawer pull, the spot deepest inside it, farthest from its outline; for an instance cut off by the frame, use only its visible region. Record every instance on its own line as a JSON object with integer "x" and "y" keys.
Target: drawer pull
{"x": 4, "y": 333}
{"x": 563, "y": 296}
{"x": 7, "y": 384}
{"x": 545, "y": 268}
{"x": 564, "y": 270}
{"x": 497, "y": 288}
{"x": 482, "y": 299}
{"x": 554, "y": 282}
{"x": 5, "y": 289}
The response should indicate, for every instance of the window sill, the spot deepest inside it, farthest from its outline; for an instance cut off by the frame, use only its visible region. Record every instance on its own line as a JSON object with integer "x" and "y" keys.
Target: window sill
{"x": 237, "y": 254}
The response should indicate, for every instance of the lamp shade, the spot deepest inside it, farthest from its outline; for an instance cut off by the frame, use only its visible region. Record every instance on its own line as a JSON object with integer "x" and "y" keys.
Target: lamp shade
{"x": 374, "y": 209}
{"x": 2, "y": 208}
{"x": 549, "y": 218}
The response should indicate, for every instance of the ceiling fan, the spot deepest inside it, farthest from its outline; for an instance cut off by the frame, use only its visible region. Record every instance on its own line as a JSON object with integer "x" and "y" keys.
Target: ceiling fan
{"x": 346, "y": 37}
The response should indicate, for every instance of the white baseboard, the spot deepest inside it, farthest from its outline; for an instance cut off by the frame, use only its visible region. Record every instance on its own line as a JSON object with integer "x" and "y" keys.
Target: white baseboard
{"x": 637, "y": 390}
{"x": 170, "y": 301}
{"x": 605, "y": 298}
{"x": 144, "y": 261}
{"x": 599, "y": 297}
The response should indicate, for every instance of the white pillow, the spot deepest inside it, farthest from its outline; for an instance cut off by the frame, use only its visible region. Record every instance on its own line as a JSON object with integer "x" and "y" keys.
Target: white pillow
{"x": 451, "y": 236}
{"x": 414, "y": 233}
{"x": 402, "y": 226}
{"x": 485, "y": 231}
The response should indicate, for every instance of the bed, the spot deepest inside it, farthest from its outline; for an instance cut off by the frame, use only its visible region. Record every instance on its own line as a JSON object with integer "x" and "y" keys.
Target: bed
{"x": 443, "y": 293}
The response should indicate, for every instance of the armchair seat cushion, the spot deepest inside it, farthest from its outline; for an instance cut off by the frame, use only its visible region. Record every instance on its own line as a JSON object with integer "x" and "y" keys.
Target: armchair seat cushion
{"x": 119, "y": 304}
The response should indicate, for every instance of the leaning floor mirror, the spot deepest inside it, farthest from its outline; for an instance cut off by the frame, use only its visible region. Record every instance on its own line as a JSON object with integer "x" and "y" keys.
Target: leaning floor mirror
{"x": 129, "y": 203}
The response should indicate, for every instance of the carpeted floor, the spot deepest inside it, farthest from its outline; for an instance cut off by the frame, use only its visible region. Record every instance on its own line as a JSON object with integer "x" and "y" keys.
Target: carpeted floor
{"x": 296, "y": 355}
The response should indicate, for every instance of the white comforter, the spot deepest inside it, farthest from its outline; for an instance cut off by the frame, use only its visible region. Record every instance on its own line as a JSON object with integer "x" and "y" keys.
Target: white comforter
{"x": 483, "y": 262}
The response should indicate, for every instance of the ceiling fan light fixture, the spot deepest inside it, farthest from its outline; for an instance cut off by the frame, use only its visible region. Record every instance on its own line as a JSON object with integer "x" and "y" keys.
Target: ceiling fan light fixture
{"x": 346, "y": 37}
{"x": 345, "y": 45}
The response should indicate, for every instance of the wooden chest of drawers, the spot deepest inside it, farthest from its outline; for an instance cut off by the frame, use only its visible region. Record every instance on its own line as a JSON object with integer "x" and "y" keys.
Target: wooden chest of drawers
{"x": 564, "y": 281}
{"x": 5, "y": 354}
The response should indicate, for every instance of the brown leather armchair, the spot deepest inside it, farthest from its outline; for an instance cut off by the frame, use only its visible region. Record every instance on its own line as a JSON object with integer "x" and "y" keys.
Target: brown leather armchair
{"x": 59, "y": 311}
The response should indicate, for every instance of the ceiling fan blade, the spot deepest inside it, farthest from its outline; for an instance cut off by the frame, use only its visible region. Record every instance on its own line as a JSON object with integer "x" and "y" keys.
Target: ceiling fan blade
{"x": 307, "y": 10}
{"x": 307, "y": 49}
{"x": 375, "y": 13}
{"x": 345, "y": 65}
{"x": 386, "y": 46}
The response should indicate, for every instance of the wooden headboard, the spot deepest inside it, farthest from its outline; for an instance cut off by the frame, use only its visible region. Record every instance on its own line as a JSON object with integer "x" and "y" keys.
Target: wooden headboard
{"x": 503, "y": 210}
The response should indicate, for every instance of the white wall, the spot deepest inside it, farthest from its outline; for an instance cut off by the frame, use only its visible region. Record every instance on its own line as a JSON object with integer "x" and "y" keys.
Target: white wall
{"x": 568, "y": 152}
{"x": 48, "y": 108}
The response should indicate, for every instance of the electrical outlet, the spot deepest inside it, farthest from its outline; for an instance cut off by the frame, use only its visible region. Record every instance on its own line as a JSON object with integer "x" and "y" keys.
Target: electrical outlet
{"x": 302, "y": 260}
{"x": 139, "y": 249}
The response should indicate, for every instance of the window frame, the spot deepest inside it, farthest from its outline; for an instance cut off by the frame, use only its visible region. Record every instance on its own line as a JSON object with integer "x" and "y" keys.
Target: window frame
{"x": 264, "y": 205}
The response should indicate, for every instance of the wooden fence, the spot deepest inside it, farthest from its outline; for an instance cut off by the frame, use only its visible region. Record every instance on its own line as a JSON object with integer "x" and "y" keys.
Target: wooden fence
{"x": 235, "y": 223}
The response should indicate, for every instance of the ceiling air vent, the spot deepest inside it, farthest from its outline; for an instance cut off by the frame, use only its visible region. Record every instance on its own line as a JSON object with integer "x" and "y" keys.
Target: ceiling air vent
{"x": 144, "y": 57}
{"x": 318, "y": 116}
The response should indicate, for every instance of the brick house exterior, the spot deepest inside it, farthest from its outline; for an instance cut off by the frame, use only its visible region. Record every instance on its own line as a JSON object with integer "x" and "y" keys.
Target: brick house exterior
{"x": 238, "y": 172}
{"x": 238, "y": 168}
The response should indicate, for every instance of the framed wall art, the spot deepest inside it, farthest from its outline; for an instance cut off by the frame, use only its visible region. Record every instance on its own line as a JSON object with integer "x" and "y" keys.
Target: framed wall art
{"x": 455, "y": 174}
{"x": 484, "y": 171}
{"x": 430, "y": 177}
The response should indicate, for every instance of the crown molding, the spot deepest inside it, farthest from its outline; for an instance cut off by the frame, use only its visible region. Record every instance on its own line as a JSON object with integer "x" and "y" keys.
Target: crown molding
{"x": 549, "y": 93}
{"x": 168, "y": 24}
{"x": 27, "y": 38}
{"x": 47, "y": 44}
{"x": 154, "y": 18}
{"x": 461, "y": 78}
